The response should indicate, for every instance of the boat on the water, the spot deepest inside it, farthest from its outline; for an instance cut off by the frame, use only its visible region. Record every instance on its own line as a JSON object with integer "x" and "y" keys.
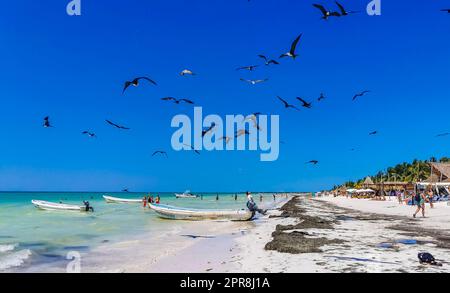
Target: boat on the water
{"x": 177, "y": 213}
{"x": 111, "y": 199}
{"x": 53, "y": 206}
{"x": 185, "y": 194}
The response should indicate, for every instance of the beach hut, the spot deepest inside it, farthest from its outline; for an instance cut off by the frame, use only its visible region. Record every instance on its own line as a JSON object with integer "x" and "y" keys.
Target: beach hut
{"x": 368, "y": 182}
{"x": 440, "y": 172}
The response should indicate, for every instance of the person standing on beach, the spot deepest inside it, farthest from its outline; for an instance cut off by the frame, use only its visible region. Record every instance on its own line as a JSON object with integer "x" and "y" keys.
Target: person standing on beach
{"x": 261, "y": 198}
{"x": 274, "y": 197}
{"x": 217, "y": 197}
{"x": 144, "y": 202}
{"x": 235, "y": 196}
{"x": 419, "y": 200}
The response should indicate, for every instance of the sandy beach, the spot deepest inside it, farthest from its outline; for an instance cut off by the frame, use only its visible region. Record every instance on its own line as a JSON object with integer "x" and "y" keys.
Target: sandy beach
{"x": 298, "y": 235}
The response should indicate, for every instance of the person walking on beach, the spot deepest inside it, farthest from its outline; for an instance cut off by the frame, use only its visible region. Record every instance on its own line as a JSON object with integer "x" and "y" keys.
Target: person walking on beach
{"x": 260, "y": 198}
{"x": 274, "y": 197}
{"x": 144, "y": 202}
{"x": 430, "y": 195}
{"x": 399, "y": 196}
{"x": 419, "y": 200}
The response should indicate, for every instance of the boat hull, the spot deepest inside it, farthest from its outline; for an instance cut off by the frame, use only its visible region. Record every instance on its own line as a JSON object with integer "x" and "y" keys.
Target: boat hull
{"x": 175, "y": 213}
{"x": 51, "y": 206}
{"x": 110, "y": 199}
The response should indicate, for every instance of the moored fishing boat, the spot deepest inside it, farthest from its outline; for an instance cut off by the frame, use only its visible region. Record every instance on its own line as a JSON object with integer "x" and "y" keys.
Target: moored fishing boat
{"x": 185, "y": 194}
{"x": 177, "y": 213}
{"x": 53, "y": 206}
{"x": 111, "y": 199}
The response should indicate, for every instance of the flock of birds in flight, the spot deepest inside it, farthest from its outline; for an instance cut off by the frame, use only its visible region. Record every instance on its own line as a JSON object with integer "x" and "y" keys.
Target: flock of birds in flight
{"x": 292, "y": 53}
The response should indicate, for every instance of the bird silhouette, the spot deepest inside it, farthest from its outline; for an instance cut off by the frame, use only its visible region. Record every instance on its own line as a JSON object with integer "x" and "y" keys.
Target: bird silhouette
{"x": 360, "y": 94}
{"x": 254, "y": 81}
{"x": 209, "y": 129}
{"x": 46, "y": 123}
{"x": 164, "y": 153}
{"x": 443, "y": 134}
{"x": 286, "y": 104}
{"x": 135, "y": 82}
{"x": 305, "y": 104}
{"x": 373, "y": 133}
{"x": 292, "y": 53}
{"x": 322, "y": 97}
{"x": 326, "y": 13}
{"x": 192, "y": 148}
{"x": 117, "y": 125}
{"x": 90, "y": 134}
{"x": 187, "y": 72}
{"x": 268, "y": 61}
{"x": 314, "y": 162}
{"x": 343, "y": 11}
{"x": 249, "y": 68}
{"x": 177, "y": 101}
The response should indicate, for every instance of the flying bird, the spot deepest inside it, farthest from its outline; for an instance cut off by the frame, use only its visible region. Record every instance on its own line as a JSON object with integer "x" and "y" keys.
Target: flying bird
{"x": 241, "y": 132}
{"x": 187, "y": 72}
{"x": 373, "y": 133}
{"x": 268, "y": 61}
{"x": 226, "y": 138}
{"x": 192, "y": 148}
{"x": 313, "y": 162}
{"x": 343, "y": 11}
{"x": 254, "y": 118}
{"x": 291, "y": 53}
{"x": 286, "y": 104}
{"x": 305, "y": 103}
{"x": 360, "y": 94}
{"x": 135, "y": 82}
{"x": 326, "y": 13}
{"x": 209, "y": 129}
{"x": 177, "y": 101}
{"x": 446, "y": 10}
{"x": 249, "y": 68}
{"x": 164, "y": 153}
{"x": 253, "y": 81}
{"x": 117, "y": 125}
{"x": 47, "y": 122}
{"x": 443, "y": 134}
{"x": 125, "y": 190}
{"x": 322, "y": 97}
{"x": 90, "y": 134}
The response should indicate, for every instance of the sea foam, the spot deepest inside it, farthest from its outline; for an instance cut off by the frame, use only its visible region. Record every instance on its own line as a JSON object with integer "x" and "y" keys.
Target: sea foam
{"x": 14, "y": 259}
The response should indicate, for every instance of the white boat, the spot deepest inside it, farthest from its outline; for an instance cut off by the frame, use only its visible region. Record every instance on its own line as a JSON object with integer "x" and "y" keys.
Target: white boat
{"x": 176, "y": 213}
{"x": 52, "y": 206}
{"x": 185, "y": 194}
{"x": 110, "y": 199}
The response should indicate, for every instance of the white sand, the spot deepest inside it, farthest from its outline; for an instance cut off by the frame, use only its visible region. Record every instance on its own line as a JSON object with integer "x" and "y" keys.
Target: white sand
{"x": 239, "y": 246}
{"x": 361, "y": 253}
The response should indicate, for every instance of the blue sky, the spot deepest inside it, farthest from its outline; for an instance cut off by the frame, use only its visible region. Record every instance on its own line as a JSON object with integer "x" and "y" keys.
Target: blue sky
{"x": 73, "y": 69}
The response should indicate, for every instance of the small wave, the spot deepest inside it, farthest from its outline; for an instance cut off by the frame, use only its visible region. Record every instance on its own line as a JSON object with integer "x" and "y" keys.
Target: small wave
{"x": 7, "y": 247}
{"x": 15, "y": 259}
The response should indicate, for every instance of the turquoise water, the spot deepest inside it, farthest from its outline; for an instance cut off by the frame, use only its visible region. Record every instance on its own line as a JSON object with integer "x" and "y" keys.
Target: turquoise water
{"x": 29, "y": 236}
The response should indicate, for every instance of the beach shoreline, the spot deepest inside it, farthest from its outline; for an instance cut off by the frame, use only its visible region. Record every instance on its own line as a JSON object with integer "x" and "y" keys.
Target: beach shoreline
{"x": 300, "y": 234}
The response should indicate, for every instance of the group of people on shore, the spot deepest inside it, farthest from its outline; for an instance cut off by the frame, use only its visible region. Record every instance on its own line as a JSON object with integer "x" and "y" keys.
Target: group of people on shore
{"x": 416, "y": 198}
{"x": 150, "y": 199}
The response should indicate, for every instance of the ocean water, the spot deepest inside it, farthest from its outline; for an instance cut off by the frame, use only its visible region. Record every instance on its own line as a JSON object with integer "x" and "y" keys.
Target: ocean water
{"x": 32, "y": 237}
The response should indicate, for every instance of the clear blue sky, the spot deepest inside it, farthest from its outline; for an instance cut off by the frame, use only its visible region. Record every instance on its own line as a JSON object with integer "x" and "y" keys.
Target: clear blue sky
{"x": 73, "y": 69}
